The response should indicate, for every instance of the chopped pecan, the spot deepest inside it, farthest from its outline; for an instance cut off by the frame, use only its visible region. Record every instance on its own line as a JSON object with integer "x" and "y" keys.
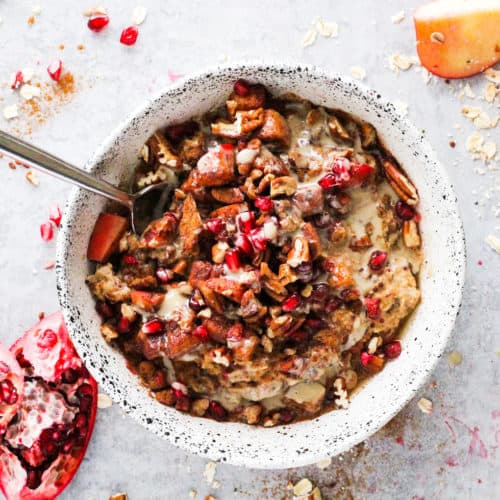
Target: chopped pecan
{"x": 244, "y": 123}
{"x": 230, "y": 289}
{"x": 166, "y": 397}
{"x": 179, "y": 343}
{"x": 200, "y": 406}
{"x": 269, "y": 163}
{"x": 252, "y": 413}
{"x": 309, "y": 199}
{"x": 191, "y": 149}
{"x": 312, "y": 236}
{"x": 285, "y": 185}
{"x": 337, "y": 129}
{"x": 362, "y": 243}
{"x": 402, "y": 186}
{"x": 227, "y": 195}
{"x": 211, "y": 298}
{"x": 160, "y": 151}
{"x": 337, "y": 233}
{"x": 229, "y": 211}
{"x": 109, "y": 332}
{"x": 180, "y": 267}
{"x": 411, "y": 236}
{"x": 219, "y": 252}
{"x": 255, "y": 98}
{"x": 217, "y": 327}
{"x": 279, "y": 325}
{"x": 251, "y": 307}
{"x": 275, "y": 128}
{"x": 144, "y": 283}
{"x": 340, "y": 275}
{"x": 148, "y": 301}
{"x": 190, "y": 226}
{"x": 214, "y": 169}
{"x": 299, "y": 253}
{"x": 160, "y": 232}
{"x": 105, "y": 285}
{"x": 368, "y": 135}
{"x": 200, "y": 271}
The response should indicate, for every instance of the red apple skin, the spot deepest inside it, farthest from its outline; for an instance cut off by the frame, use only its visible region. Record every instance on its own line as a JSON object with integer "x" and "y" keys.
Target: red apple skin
{"x": 471, "y": 32}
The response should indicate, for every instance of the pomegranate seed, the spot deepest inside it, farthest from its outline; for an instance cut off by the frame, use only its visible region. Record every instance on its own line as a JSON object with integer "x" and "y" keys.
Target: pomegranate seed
{"x": 332, "y": 304}
{"x": 329, "y": 265}
{"x": 227, "y": 147}
{"x": 201, "y": 332}
{"x": 320, "y": 292}
{"x": 217, "y": 411}
{"x": 372, "y": 307}
{"x": 298, "y": 336}
{"x": 46, "y": 231}
{"x": 98, "y": 23}
{"x": 18, "y": 80}
{"x": 246, "y": 221}
{"x": 243, "y": 243}
{"x": 48, "y": 448}
{"x": 104, "y": 310}
{"x": 232, "y": 259}
{"x": 259, "y": 241}
{"x": 47, "y": 339}
{"x": 316, "y": 324}
{"x": 328, "y": 181}
{"x": 365, "y": 358}
{"x": 241, "y": 87}
{"x": 129, "y": 35}
{"x": 46, "y": 436}
{"x": 392, "y": 349}
{"x": 8, "y": 393}
{"x": 55, "y": 70}
{"x": 404, "y": 211}
{"x": 215, "y": 226}
{"x": 84, "y": 390}
{"x": 378, "y": 259}
{"x": 130, "y": 259}
{"x": 123, "y": 325}
{"x": 55, "y": 215}
{"x": 85, "y": 404}
{"x": 69, "y": 376}
{"x": 195, "y": 301}
{"x": 291, "y": 302}
{"x": 164, "y": 275}
{"x": 286, "y": 417}
{"x": 179, "y": 389}
{"x": 263, "y": 203}
{"x": 153, "y": 326}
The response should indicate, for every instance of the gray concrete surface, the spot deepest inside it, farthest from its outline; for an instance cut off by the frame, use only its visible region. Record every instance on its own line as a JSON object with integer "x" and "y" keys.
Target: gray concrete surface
{"x": 450, "y": 453}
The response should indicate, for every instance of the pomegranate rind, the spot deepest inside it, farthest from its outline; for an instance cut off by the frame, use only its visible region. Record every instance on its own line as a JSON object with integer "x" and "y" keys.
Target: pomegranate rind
{"x": 10, "y": 370}
{"x": 48, "y": 364}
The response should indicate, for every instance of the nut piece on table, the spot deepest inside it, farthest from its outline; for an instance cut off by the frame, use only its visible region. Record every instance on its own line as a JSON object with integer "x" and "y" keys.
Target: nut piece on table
{"x": 245, "y": 122}
{"x": 275, "y": 128}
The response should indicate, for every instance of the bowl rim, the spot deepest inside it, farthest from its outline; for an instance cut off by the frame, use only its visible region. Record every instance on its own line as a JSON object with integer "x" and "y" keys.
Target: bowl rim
{"x": 455, "y": 298}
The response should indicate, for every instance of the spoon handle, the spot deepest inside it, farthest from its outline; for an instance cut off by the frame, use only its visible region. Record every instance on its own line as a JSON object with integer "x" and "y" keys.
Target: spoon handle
{"x": 41, "y": 160}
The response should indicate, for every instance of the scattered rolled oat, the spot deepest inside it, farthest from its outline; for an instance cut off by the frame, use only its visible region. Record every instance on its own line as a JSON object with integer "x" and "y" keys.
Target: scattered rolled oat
{"x": 192, "y": 493}
{"x": 492, "y": 75}
{"x": 10, "y": 112}
{"x": 309, "y": 38}
{"x": 32, "y": 178}
{"x": 139, "y": 15}
{"x": 490, "y": 91}
{"x": 471, "y": 112}
{"x": 104, "y": 401}
{"x": 36, "y": 10}
{"x": 454, "y": 358}
{"x": 468, "y": 92}
{"x": 209, "y": 473}
{"x": 399, "y": 61}
{"x": 93, "y": 11}
{"x": 303, "y": 487}
{"x": 216, "y": 484}
{"x": 425, "y": 405}
{"x": 327, "y": 29}
{"x": 484, "y": 121}
{"x": 437, "y": 37}
{"x": 494, "y": 242}
{"x": 324, "y": 463}
{"x": 358, "y": 73}
{"x": 29, "y": 91}
{"x": 398, "y": 17}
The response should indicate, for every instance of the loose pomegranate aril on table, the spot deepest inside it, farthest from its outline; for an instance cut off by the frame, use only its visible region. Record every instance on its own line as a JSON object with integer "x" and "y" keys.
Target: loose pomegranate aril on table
{"x": 243, "y": 243}
{"x": 241, "y": 87}
{"x": 153, "y": 326}
{"x": 378, "y": 259}
{"x": 55, "y": 70}
{"x": 404, "y": 211}
{"x": 392, "y": 349}
{"x": 17, "y": 80}
{"x": 246, "y": 221}
{"x": 232, "y": 259}
{"x": 129, "y": 35}
{"x": 215, "y": 226}
{"x": 372, "y": 307}
{"x": 55, "y": 215}
{"x": 98, "y": 22}
{"x": 291, "y": 302}
{"x": 130, "y": 259}
{"x": 263, "y": 203}
{"x": 46, "y": 231}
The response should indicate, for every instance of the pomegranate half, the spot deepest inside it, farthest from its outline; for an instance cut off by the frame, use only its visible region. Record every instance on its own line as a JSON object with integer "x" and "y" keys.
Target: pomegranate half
{"x": 45, "y": 439}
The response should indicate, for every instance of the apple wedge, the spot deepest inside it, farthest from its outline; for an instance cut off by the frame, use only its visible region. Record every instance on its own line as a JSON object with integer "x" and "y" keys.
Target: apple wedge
{"x": 458, "y": 38}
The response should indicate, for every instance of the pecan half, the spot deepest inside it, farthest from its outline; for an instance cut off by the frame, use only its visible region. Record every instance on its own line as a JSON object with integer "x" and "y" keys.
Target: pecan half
{"x": 399, "y": 182}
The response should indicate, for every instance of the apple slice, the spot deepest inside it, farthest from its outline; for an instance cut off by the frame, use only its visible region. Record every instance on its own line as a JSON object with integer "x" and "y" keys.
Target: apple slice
{"x": 108, "y": 230}
{"x": 458, "y": 38}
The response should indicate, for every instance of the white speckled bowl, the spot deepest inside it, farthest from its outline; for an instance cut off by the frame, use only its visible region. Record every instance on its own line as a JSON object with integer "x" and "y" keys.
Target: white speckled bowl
{"x": 385, "y": 394}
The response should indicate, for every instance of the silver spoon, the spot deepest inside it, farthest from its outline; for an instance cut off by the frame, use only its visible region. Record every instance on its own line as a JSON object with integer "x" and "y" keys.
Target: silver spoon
{"x": 144, "y": 205}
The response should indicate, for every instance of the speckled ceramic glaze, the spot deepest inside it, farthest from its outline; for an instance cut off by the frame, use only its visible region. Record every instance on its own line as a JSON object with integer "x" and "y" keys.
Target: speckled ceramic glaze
{"x": 425, "y": 336}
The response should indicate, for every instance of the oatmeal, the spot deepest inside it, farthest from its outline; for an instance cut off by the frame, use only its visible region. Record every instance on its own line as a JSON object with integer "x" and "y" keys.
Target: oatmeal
{"x": 282, "y": 272}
